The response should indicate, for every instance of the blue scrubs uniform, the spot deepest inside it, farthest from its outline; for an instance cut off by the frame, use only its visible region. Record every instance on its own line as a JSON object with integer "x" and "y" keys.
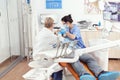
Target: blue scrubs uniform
{"x": 76, "y": 31}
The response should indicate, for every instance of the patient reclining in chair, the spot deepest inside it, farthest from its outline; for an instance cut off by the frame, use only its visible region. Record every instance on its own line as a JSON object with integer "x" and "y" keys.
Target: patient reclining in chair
{"x": 46, "y": 40}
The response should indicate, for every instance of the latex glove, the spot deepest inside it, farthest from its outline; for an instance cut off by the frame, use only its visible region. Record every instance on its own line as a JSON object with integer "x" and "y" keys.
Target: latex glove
{"x": 62, "y": 32}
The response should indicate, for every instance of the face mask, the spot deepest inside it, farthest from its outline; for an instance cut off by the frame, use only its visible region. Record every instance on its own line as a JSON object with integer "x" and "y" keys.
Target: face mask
{"x": 65, "y": 25}
{"x": 63, "y": 29}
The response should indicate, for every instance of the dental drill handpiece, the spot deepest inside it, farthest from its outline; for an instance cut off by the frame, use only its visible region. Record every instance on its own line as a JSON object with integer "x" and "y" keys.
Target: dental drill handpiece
{"x": 74, "y": 44}
{"x": 63, "y": 45}
{"x": 58, "y": 43}
{"x": 66, "y": 46}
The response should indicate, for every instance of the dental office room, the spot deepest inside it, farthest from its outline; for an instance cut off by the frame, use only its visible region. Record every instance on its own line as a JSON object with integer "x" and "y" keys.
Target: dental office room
{"x": 59, "y": 40}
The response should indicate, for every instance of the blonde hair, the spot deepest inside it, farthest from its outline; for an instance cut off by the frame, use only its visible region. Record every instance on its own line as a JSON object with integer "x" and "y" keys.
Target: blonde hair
{"x": 48, "y": 22}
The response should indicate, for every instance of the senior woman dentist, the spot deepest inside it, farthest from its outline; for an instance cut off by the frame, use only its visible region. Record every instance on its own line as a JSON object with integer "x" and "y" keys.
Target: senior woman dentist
{"x": 45, "y": 41}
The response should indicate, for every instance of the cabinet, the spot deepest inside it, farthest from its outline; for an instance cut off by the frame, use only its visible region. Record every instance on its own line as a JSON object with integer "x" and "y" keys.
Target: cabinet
{"x": 88, "y": 35}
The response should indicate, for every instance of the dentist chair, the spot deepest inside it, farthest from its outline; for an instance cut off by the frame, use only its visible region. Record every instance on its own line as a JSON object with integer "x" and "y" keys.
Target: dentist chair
{"x": 64, "y": 62}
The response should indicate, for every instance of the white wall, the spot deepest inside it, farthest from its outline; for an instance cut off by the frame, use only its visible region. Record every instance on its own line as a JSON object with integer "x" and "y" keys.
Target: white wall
{"x": 74, "y": 7}
{"x": 4, "y": 37}
{"x": 13, "y": 27}
{"x": 9, "y": 29}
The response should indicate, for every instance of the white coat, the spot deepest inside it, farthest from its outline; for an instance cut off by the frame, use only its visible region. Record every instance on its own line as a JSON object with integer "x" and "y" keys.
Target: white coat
{"x": 43, "y": 48}
{"x": 44, "y": 41}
